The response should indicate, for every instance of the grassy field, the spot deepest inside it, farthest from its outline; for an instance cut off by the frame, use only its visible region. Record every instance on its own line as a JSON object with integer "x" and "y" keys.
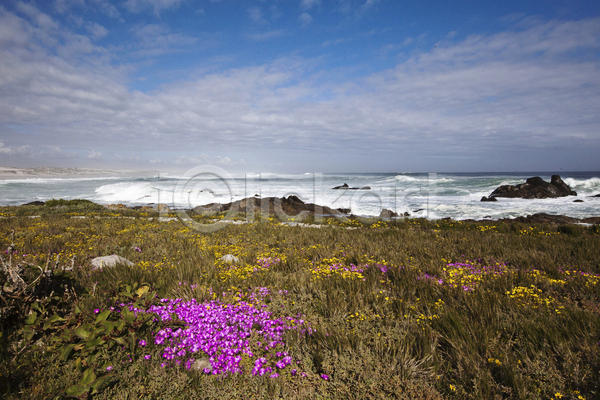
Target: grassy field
{"x": 356, "y": 309}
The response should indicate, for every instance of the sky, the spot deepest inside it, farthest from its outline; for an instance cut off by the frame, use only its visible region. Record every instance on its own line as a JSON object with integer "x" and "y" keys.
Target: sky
{"x": 292, "y": 86}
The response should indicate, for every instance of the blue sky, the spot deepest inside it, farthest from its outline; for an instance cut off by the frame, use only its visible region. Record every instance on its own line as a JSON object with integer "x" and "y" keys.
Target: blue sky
{"x": 301, "y": 85}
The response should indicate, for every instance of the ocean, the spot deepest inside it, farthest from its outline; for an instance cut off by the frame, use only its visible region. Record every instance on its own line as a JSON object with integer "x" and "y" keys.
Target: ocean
{"x": 429, "y": 195}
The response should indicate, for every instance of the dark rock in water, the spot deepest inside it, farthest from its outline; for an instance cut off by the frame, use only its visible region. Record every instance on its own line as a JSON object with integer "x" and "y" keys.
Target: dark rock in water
{"x": 447, "y": 219}
{"x": 35, "y": 203}
{"x": 344, "y": 210}
{"x": 418, "y": 209}
{"x": 596, "y": 195}
{"x": 535, "y": 188}
{"x": 490, "y": 198}
{"x": 578, "y": 201}
{"x": 344, "y": 186}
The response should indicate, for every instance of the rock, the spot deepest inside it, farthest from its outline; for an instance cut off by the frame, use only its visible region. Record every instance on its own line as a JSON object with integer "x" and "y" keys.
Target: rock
{"x": 418, "y": 209}
{"x": 543, "y": 218}
{"x": 230, "y": 258}
{"x": 291, "y": 206}
{"x": 489, "y": 198}
{"x": 344, "y": 210}
{"x": 578, "y": 201}
{"x": 596, "y": 195}
{"x": 109, "y": 261}
{"x": 116, "y": 206}
{"x": 202, "y": 364}
{"x": 208, "y": 210}
{"x": 35, "y": 203}
{"x": 344, "y": 186}
{"x": 535, "y": 188}
{"x": 387, "y": 214}
{"x": 162, "y": 207}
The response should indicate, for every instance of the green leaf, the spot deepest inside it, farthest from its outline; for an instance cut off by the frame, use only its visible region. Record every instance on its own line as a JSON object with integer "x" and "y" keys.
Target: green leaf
{"x": 28, "y": 333}
{"x": 108, "y": 326}
{"x": 100, "y": 383}
{"x": 77, "y": 310}
{"x": 93, "y": 344}
{"x": 66, "y": 352}
{"x": 126, "y": 312}
{"x": 36, "y": 306}
{"x": 78, "y": 364}
{"x": 30, "y": 319}
{"x": 82, "y": 331}
{"x": 102, "y": 316}
{"x": 77, "y": 390}
{"x": 132, "y": 342}
{"x": 53, "y": 319}
{"x": 88, "y": 377}
{"x": 120, "y": 341}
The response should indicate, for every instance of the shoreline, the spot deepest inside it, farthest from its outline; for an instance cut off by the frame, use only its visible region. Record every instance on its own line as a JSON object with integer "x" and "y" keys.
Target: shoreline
{"x": 9, "y": 173}
{"x": 308, "y": 209}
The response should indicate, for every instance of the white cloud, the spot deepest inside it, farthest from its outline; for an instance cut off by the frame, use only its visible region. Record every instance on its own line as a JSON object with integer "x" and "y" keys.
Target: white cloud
{"x": 96, "y": 30}
{"x": 158, "y": 39}
{"x": 15, "y": 151}
{"x": 305, "y": 19}
{"x": 308, "y": 4}
{"x": 94, "y": 155}
{"x": 256, "y": 15}
{"x": 157, "y": 6}
{"x": 486, "y": 95}
{"x": 258, "y": 37}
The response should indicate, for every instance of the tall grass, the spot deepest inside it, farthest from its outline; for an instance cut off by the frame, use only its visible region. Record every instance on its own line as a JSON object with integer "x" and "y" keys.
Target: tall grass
{"x": 404, "y": 326}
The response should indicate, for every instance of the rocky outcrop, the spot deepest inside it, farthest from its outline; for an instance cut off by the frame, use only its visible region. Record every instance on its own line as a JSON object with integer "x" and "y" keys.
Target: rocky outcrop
{"x": 290, "y": 206}
{"x": 36, "y": 203}
{"x": 489, "y": 198}
{"x": 535, "y": 188}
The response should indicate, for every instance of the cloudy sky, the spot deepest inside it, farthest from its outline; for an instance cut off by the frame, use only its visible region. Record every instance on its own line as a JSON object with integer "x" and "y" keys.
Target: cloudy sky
{"x": 301, "y": 85}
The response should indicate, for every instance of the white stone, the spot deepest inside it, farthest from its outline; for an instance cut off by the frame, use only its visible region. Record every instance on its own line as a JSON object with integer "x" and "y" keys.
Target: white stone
{"x": 230, "y": 258}
{"x": 110, "y": 261}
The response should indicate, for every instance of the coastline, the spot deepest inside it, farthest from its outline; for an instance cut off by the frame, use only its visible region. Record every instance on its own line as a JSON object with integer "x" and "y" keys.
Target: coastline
{"x": 293, "y": 209}
{"x": 61, "y": 173}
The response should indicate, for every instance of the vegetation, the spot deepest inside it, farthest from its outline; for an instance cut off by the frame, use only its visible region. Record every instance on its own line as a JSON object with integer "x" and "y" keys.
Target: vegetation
{"x": 356, "y": 309}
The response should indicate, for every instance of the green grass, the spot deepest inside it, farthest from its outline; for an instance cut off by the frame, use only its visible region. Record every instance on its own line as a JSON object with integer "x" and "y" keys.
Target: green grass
{"x": 392, "y": 335}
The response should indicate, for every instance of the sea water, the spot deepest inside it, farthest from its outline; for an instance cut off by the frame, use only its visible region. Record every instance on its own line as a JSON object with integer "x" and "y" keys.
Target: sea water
{"x": 429, "y": 195}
